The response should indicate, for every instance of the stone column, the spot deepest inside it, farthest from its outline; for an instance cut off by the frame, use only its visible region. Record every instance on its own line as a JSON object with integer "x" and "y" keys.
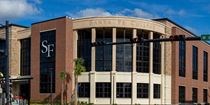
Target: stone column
{"x": 134, "y": 73}
{"x": 134, "y": 50}
{"x": 113, "y": 73}
{"x": 150, "y": 68}
{"x": 93, "y": 49}
{"x": 92, "y": 72}
{"x": 163, "y": 89}
{"x": 114, "y": 49}
{"x": 75, "y": 36}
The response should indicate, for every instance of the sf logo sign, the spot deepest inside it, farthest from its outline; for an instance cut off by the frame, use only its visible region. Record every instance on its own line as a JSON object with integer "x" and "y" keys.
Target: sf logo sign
{"x": 47, "y": 48}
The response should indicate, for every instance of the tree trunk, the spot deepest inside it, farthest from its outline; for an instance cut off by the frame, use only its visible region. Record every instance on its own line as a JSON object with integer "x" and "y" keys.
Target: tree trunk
{"x": 62, "y": 93}
{"x": 75, "y": 90}
{"x": 65, "y": 93}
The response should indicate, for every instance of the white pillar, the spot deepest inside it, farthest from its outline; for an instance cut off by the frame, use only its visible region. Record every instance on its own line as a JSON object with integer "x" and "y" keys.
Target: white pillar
{"x": 163, "y": 89}
{"x": 93, "y": 39}
{"x": 75, "y": 36}
{"x": 114, "y": 49}
{"x": 150, "y": 69}
{"x": 134, "y": 51}
{"x": 113, "y": 75}
{"x": 92, "y": 72}
{"x": 134, "y": 73}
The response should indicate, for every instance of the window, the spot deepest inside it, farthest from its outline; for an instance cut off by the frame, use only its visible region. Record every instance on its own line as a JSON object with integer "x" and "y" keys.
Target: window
{"x": 124, "y": 90}
{"x": 104, "y": 53}
{"x": 194, "y": 95}
{"x": 205, "y": 66}
{"x": 103, "y": 90}
{"x": 25, "y": 56}
{"x": 2, "y": 63}
{"x": 182, "y": 58}
{"x": 84, "y": 47}
{"x": 124, "y": 51}
{"x": 2, "y": 56}
{"x": 142, "y": 53}
{"x": 2, "y": 44}
{"x": 181, "y": 94}
{"x": 156, "y": 55}
{"x": 142, "y": 90}
{"x": 156, "y": 91}
{"x": 47, "y": 61}
{"x": 195, "y": 62}
{"x": 205, "y": 95}
{"x": 83, "y": 89}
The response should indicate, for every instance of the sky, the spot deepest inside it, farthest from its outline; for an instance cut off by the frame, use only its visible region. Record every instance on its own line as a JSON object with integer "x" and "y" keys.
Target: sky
{"x": 194, "y": 15}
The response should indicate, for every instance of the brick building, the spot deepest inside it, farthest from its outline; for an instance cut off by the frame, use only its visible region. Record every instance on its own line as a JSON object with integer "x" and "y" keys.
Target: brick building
{"x": 142, "y": 73}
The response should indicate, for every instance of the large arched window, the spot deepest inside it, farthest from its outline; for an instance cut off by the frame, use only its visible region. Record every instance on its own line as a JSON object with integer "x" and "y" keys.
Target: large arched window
{"x": 142, "y": 53}
{"x": 124, "y": 51}
{"x": 84, "y": 47}
{"x": 156, "y": 55}
{"x": 104, "y": 53}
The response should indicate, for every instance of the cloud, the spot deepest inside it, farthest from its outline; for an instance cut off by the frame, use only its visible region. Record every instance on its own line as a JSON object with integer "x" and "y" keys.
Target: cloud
{"x": 137, "y": 12}
{"x": 141, "y": 13}
{"x": 161, "y": 10}
{"x": 12, "y": 9}
{"x": 88, "y": 12}
{"x": 91, "y": 12}
{"x": 207, "y": 8}
{"x": 37, "y": 1}
{"x": 171, "y": 12}
{"x": 191, "y": 29}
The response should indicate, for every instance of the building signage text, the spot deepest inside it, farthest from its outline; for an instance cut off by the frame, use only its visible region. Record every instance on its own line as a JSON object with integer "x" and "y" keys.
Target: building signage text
{"x": 47, "y": 48}
{"x": 129, "y": 23}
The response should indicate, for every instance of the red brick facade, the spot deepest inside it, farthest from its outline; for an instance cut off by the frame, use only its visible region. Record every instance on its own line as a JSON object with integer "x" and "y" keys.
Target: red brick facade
{"x": 64, "y": 56}
{"x": 187, "y": 81}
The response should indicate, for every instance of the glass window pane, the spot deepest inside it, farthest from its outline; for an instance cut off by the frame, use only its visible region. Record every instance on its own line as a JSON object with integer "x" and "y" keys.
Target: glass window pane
{"x": 124, "y": 51}
{"x": 84, "y": 47}
{"x": 104, "y": 53}
{"x": 47, "y": 62}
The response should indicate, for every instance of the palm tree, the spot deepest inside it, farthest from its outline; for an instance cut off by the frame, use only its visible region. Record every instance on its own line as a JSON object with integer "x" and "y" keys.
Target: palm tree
{"x": 1, "y": 78}
{"x": 1, "y": 75}
{"x": 63, "y": 76}
{"x": 78, "y": 69}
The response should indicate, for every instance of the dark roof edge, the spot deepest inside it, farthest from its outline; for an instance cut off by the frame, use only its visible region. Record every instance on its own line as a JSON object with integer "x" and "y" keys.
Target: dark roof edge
{"x": 17, "y": 25}
{"x": 175, "y": 24}
{"x": 180, "y": 27}
{"x": 49, "y": 20}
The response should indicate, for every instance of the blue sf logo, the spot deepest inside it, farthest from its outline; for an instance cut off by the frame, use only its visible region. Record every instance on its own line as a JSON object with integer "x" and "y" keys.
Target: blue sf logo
{"x": 47, "y": 48}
